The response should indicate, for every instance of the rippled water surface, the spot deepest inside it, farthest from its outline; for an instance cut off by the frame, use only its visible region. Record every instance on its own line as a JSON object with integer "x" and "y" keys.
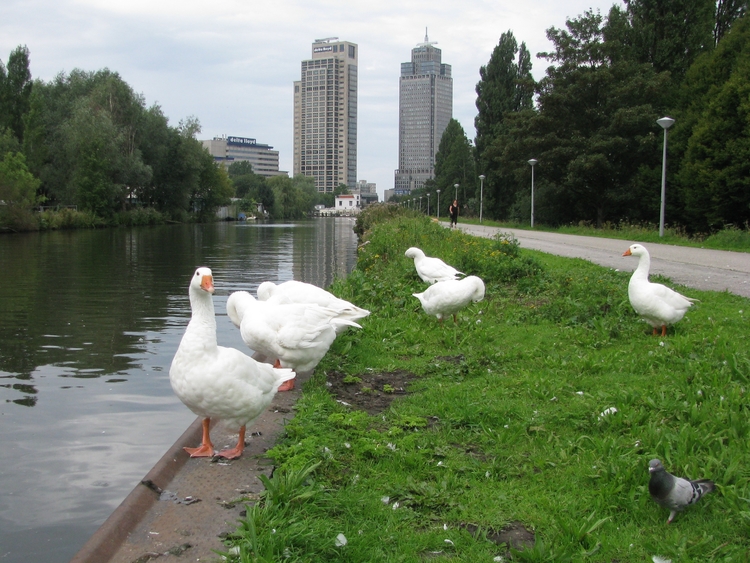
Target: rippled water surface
{"x": 89, "y": 322}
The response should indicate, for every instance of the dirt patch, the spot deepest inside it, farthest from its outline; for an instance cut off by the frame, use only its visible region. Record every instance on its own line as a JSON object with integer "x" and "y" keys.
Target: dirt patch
{"x": 514, "y": 535}
{"x": 372, "y": 392}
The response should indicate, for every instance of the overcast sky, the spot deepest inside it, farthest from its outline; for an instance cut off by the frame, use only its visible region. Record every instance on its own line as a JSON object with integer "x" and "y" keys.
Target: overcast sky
{"x": 231, "y": 63}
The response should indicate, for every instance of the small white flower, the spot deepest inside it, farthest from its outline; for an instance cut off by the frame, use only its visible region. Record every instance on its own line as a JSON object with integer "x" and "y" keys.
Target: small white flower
{"x": 506, "y": 426}
{"x": 391, "y": 446}
{"x": 498, "y": 559}
{"x": 607, "y": 412}
{"x": 385, "y": 500}
{"x": 553, "y": 399}
{"x": 579, "y": 393}
{"x": 347, "y": 445}
{"x": 487, "y": 474}
{"x": 341, "y": 540}
{"x": 479, "y": 321}
{"x": 658, "y": 559}
{"x": 700, "y": 392}
{"x": 661, "y": 343}
{"x": 440, "y": 464}
{"x": 637, "y": 443}
{"x": 395, "y": 505}
{"x": 445, "y": 526}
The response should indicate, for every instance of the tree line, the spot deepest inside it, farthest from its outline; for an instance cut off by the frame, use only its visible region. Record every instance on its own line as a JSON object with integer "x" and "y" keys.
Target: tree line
{"x": 87, "y": 140}
{"x": 590, "y": 122}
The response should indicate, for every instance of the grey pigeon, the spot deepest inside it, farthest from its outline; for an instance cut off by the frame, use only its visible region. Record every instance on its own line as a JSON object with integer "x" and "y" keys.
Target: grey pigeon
{"x": 675, "y": 493}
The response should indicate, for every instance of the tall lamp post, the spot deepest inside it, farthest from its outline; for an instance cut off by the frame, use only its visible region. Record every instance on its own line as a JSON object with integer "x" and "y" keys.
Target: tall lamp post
{"x": 533, "y": 161}
{"x": 420, "y": 203}
{"x": 666, "y": 123}
{"x": 456, "y": 186}
{"x": 481, "y": 195}
{"x": 428, "y": 204}
{"x": 438, "y": 204}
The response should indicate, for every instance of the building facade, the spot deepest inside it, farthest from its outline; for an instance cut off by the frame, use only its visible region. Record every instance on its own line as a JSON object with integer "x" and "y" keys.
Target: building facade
{"x": 325, "y": 115}
{"x": 227, "y": 150}
{"x": 425, "y": 109}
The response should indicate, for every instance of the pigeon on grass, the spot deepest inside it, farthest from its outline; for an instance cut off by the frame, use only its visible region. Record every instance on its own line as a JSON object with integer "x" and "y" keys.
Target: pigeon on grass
{"x": 675, "y": 493}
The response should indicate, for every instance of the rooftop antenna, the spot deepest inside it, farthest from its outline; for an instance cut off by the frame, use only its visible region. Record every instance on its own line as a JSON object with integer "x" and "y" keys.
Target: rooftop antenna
{"x": 427, "y": 42}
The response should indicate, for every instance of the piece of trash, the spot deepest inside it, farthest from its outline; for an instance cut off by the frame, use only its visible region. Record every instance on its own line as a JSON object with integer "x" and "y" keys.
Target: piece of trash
{"x": 169, "y": 495}
{"x": 579, "y": 393}
{"x": 385, "y": 500}
{"x": 341, "y": 540}
{"x": 607, "y": 412}
{"x": 658, "y": 559}
{"x": 449, "y": 542}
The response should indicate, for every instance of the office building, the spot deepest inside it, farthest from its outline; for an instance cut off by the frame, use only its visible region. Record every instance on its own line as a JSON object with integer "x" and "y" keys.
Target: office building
{"x": 227, "y": 150}
{"x": 325, "y": 115}
{"x": 425, "y": 109}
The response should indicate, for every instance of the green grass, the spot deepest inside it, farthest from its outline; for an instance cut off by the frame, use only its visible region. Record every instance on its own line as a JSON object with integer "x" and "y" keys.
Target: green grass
{"x": 729, "y": 238}
{"x": 503, "y": 423}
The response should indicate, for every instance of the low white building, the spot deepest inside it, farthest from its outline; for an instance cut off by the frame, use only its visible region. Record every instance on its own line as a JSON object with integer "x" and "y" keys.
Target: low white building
{"x": 348, "y": 204}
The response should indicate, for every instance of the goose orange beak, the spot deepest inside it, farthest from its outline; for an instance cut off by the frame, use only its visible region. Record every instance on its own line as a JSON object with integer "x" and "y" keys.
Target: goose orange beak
{"x": 207, "y": 284}
{"x": 627, "y": 253}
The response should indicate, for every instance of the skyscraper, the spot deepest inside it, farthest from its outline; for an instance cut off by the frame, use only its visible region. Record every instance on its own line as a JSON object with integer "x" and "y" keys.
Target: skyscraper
{"x": 425, "y": 108}
{"x": 325, "y": 115}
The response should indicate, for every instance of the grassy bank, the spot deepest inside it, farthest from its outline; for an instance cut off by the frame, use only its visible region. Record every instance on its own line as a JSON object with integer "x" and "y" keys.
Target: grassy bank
{"x": 488, "y": 440}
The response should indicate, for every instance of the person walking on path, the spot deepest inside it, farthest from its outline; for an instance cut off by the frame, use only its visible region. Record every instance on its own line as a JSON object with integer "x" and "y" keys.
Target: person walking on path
{"x": 453, "y": 211}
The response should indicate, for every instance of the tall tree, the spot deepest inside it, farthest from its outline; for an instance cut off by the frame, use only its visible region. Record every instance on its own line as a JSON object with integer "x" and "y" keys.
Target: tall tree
{"x": 727, "y": 11}
{"x": 454, "y": 164}
{"x": 670, "y": 34}
{"x": 15, "y": 91}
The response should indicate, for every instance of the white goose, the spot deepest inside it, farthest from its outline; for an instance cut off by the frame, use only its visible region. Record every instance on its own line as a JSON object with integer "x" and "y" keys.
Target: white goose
{"x": 430, "y": 269}
{"x": 295, "y": 335}
{"x": 294, "y": 291}
{"x": 657, "y": 304}
{"x": 218, "y": 382}
{"x": 448, "y": 297}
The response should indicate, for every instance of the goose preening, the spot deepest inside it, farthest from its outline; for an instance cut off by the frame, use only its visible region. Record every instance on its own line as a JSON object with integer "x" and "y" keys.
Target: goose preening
{"x": 294, "y": 291}
{"x": 293, "y": 335}
{"x": 657, "y": 304}
{"x": 218, "y": 382}
{"x": 431, "y": 269}
{"x": 448, "y": 297}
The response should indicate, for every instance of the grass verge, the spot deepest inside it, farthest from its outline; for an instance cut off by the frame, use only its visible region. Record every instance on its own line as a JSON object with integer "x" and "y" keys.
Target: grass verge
{"x": 496, "y": 438}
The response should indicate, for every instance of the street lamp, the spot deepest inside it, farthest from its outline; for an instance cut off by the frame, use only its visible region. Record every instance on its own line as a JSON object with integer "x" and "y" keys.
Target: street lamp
{"x": 666, "y": 123}
{"x": 428, "y": 204}
{"x": 533, "y": 161}
{"x": 438, "y": 204}
{"x": 481, "y": 195}
{"x": 420, "y": 203}
{"x": 456, "y": 186}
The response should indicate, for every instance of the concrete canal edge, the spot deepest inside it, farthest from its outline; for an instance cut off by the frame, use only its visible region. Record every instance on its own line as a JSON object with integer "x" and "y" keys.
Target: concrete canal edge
{"x": 115, "y": 529}
{"x": 203, "y": 498}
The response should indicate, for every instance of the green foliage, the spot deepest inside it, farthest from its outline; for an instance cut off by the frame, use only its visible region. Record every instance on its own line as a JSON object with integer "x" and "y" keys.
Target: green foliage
{"x": 17, "y": 192}
{"x": 508, "y": 419}
{"x": 15, "y": 91}
{"x": 454, "y": 164}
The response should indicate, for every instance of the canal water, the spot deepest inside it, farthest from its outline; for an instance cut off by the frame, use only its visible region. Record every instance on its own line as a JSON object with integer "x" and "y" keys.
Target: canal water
{"x": 89, "y": 322}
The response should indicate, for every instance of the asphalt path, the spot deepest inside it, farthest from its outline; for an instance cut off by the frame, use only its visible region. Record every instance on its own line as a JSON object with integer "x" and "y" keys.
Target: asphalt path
{"x": 701, "y": 268}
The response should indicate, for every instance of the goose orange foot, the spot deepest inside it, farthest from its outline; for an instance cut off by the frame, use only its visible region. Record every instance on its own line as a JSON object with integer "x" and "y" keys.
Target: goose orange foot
{"x": 206, "y": 449}
{"x": 236, "y": 451}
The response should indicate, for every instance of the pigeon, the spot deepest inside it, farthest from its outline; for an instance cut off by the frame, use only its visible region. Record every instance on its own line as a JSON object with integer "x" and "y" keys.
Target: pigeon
{"x": 431, "y": 270}
{"x": 675, "y": 493}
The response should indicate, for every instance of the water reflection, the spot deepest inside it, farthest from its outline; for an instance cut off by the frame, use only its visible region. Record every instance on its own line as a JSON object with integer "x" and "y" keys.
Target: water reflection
{"x": 87, "y": 332}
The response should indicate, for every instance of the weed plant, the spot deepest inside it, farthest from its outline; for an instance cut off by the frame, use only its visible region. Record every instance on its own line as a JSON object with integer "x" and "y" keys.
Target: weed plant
{"x": 539, "y": 409}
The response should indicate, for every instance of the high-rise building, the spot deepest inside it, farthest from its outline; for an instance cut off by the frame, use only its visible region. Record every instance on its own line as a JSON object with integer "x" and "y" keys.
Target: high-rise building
{"x": 227, "y": 150}
{"x": 325, "y": 115}
{"x": 424, "y": 110}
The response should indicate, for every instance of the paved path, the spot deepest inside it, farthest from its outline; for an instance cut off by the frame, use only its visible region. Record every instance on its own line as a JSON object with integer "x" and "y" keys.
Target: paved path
{"x": 701, "y": 268}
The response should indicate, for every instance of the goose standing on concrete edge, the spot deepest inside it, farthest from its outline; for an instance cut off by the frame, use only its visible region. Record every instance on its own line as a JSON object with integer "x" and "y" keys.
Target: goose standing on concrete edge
{"x": 657, "y": 304}
{"x": 431, "y": 270}
{"x": 218, "y": 382}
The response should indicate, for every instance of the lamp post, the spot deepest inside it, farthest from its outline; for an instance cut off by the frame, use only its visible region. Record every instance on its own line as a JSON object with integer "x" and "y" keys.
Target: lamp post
{"x": 428, "y": 204}
{"x": 420, "y": 203}
{"x": 666, "y": 123}
{"x": 481, "y": 195}
{"x": 456, "y": 186}
{"x": 532, "y": 161}
{"x": 438, "y": 204}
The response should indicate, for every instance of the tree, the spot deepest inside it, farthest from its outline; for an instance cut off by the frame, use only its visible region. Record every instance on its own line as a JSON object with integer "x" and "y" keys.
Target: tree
{"x": 727, "y": 11}
{"x": 15, "y": 91}
{"x": 454, "y": 164}
{"x": 671, "y": 34}
{"x": 18, "y": 192}
{"x": 715, "y": 170}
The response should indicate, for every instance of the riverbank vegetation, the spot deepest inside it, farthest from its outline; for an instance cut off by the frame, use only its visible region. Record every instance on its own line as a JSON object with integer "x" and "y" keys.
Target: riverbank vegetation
{"x": 521, "y": 433}
{"x": 590, "y": 123}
